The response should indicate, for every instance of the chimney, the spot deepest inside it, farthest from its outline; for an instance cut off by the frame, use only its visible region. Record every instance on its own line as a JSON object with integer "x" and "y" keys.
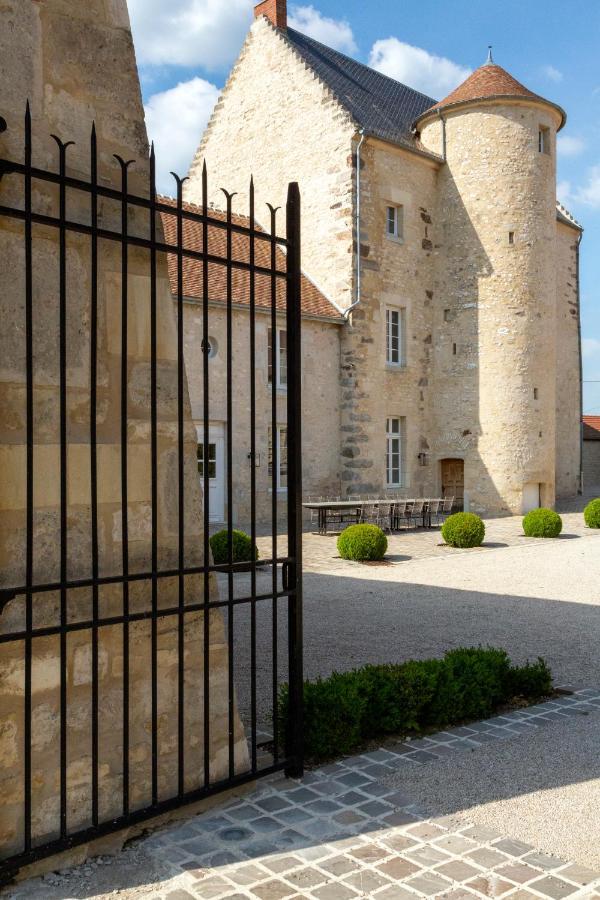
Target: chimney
{"x": 274, "y": 10}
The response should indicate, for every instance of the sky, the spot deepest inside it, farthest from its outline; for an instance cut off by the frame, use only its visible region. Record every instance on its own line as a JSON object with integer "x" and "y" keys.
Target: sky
{"x": 185, "y": 49}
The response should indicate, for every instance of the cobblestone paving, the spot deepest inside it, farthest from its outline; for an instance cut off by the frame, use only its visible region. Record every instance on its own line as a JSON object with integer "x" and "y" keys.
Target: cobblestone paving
{"x": 342, "y": 833}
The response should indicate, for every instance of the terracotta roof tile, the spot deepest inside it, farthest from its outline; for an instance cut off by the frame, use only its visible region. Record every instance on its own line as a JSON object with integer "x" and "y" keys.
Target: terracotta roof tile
{"x": 486, "y": 82}
{"x": 591, "y": 428}
{"x": 314, "y": 303}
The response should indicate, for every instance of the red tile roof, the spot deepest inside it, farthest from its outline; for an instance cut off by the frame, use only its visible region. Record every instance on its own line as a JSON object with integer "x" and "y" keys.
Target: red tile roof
{"x": 314, "y": 303}
{"x": 591, "y": 428}
{"x": 487, "y": 82}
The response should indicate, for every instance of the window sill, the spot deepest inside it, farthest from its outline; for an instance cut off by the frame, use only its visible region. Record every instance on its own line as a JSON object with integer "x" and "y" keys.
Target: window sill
{"x": 394, "y": 239}
{"x": 396, "y": 367}
{"x": 280, "y": 389}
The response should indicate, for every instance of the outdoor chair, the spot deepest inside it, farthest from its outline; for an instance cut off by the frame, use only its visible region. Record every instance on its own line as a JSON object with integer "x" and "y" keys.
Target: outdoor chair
{"x": 416, "y": 513}
{"x": 399, "y": 514}
{"x": 446, "y": 507}
{"x": 434, "y": 507}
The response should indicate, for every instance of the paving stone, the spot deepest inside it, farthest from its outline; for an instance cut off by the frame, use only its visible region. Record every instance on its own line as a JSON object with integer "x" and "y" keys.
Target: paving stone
{"x": 579, "y": 874}
{"x": 395, "y": 892}
{"x": 351, "y": 798}
{"x": 354, "y": 779}
{"x": 379, "y": 755}
{"x": 312, "y": 853}
{"x": 455, "y": 843}
{"x": 481, "y": 833}
{"x": 491, "y": 885}
{"x": 377, "y": 770}
{"x": 306, "y": 878}
{"x": 399, "y": 842}
{"x": 398, "y": 869}
{"x": 487, "y": 857}
{"x": 427, "y": 855}
{"x": 349, "y": 817}
{"x": 338, "y": 865}
{"x": 322, "y": 806}
{"x": 272, "y": 890}
{"x": 369, "y": 853}
{"x": 426, "y": 831}
{"x": 366, "y": 881}
{"x": 213, "y": 887}
{"x": 247, "y": 874}
{"x": 273, "y": 803}
{"x": 293, "y": 815}
{"x": 513, "y": 848}
{"x": 519, "y": 872}
{"x": 375, "y": 789}
{"x": 422, "y": 756}
{"x": 178, "y": 895}
{"x": 281, "y": 864}
{"x": 334, "y": 892}
{"x": 553, "y": 887}
{"x": 375, "y": 808}
{"x": 302, "y": 795}
{"x": 459, "y": 893}
{"x": 397, "y": 819}
{"x": 428, "y": 884}
{"x": 543, "y": 861}
{"x": 457, "y": 870}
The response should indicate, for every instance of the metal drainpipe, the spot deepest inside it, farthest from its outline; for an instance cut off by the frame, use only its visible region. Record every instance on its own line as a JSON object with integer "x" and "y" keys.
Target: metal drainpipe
{"x": 579, "y": 239}
{"x": 358, "y": 272}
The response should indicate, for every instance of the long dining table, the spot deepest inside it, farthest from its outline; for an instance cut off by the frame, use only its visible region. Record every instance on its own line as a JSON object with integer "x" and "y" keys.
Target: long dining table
{"x": 324, "y": 509}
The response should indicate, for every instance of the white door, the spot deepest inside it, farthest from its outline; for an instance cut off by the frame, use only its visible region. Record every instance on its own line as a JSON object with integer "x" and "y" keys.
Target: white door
{"x": 216, "y": 469}
{"x": 531, "y": 496}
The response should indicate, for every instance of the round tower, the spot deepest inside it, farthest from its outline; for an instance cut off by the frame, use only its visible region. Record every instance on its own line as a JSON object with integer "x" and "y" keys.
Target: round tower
{"x": 495, "y": 327}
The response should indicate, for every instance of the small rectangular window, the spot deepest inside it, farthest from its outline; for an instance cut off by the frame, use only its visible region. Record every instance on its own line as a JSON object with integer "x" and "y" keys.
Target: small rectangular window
{"x": 395, "y": 320}
{"x": 535, "y": 394}
{"x": 511, "y": 237}
{"x": 544, "y": 139}
{"x": 394, "y": 226}
{"x": 395, "y": 452}
{"x": 453, "y": 349}
{"x": 281, "y": 452}
{"x": 212, "y": 460}
{"x": 280, "y": 357}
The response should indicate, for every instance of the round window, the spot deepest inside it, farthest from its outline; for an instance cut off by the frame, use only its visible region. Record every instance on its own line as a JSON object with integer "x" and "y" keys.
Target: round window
{"x": 211, "y": 347}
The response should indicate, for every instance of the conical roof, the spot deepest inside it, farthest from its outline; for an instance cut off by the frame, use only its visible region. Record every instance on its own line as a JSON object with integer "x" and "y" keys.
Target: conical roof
{"x": 490, "y": 81}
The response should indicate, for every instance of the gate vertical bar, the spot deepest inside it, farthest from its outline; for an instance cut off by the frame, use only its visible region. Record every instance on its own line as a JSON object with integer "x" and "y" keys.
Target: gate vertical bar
{"x": 180, "y": 497}
{"x": 154, "y": 480}
{"x": 252, "y": 286}
{"x": 29, "y": 487}
{"x": 94, "y": 458}
{"x": 274, "y": 475}
{"x": 295, "y": 728}
{"x": 206, "y": 483}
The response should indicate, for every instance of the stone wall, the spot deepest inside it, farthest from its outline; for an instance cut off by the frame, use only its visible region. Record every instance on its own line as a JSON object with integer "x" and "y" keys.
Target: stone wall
{"x": 568, "y": 393}
{"x": 75, "y": 63}
{"x": 262, "y": 125}
{"x": 495, "y": 358}
{"x": 591, "y": 465}
{"x": 320, "y": 402}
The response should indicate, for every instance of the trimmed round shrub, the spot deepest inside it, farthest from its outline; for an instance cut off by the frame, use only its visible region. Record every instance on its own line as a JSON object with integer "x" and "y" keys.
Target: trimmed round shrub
{"x": 542, "y": 523}
{"x": 362, "y": 542}
{"x": 463, "y": 529}
{"x": 242, "y": 550}
{"x": 591, "y": 514}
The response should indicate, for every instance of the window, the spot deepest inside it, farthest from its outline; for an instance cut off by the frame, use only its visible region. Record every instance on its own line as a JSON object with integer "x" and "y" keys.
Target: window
{"x": 544, "y": 139}
{"x": 394, "y": 223}
{"x": 281, "y": 457}
{"x": 511, "y": 237}
{"x": 395, "y": 320}
{"x": 210, "y": 346}
{"x": 212, "y": 460}
{"x": 394, "y": 457}
{"x": 280, "y": 357}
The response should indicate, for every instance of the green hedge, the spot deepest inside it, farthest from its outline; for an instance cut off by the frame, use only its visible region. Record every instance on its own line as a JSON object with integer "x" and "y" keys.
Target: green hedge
{"x": 241, "y": 547}
{"x": 542, "y": 523}
{"x": 591, "y": 514}
{"x": 361, "y": 542}
{"x": 347, "y": 709}
{"x": 463, "y": 529}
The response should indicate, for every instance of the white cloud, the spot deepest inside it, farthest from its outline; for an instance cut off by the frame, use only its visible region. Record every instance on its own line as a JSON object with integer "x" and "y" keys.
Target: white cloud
{"x": 176, "y": 120}
{"x": 552, "y": 74}
{"x": 335, "y": 33}
{"x": 564, "y": 192}
{"x": 433, "y": 75}
{"x": 568, "y": 145}
{"x": 590, "y": 348}
{"x": 589, "y": 194}
{"x": 207, "y": 33}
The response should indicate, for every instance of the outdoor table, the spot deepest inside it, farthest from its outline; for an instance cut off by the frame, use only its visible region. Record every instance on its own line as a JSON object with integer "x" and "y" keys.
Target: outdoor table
{"x": 325, "y": 507}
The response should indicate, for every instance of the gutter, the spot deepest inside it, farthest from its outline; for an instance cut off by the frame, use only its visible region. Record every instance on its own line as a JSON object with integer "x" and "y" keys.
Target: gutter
{"x": 352, "y": 306}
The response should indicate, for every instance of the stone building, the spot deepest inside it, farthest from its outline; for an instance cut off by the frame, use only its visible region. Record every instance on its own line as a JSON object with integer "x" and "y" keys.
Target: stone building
{"x": 591, "y": 452}
{"x": 434, "y": 229}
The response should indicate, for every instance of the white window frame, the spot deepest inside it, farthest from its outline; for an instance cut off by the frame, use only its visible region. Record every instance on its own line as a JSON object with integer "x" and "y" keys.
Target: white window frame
{"x": 392, "y": 351}
{"x": 396, "y": 220}
{"x": 395, "y": 431}
{"x": 544, "y": 139}
{"x": 276, "y": 352}
{"x": 282, "y": 471}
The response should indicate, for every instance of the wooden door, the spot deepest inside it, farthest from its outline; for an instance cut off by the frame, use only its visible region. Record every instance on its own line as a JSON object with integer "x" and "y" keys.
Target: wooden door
{"x": 453, "y": 480}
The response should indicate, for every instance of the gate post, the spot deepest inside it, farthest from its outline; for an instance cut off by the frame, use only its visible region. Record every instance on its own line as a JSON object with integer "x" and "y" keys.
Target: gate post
{"x": 294, "y": 726}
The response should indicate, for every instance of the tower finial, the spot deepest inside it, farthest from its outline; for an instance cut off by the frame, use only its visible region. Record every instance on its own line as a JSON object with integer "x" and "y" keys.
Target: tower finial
{"x": 490, "y": 59}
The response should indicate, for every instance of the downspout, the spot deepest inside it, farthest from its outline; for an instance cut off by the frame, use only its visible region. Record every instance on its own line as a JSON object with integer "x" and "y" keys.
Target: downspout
{"x": 357, "y": 226}
{"x": 443, "y": 121}
{"x": 580, "y": 490}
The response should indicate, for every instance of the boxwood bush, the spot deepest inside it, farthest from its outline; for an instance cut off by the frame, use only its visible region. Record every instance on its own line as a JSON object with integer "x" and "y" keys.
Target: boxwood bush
{"x": 362, "y": 542}
{"x": 242, "y": 550}
{"x": 463, "y": 529}
{"x": 347, "y": 709}
{"x": 542, "y": 523}
{"x": 591, "y": 514}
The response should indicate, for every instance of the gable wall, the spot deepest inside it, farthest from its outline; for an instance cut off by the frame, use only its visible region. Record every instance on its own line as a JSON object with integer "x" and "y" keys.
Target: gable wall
{"x": 277, "y": 122}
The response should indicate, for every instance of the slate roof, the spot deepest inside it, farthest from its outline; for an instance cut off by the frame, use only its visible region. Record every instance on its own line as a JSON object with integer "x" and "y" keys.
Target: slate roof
{"x": 591, "y": 428}
{"x": 384, "y": 107}
{"x": 314, "y": 303}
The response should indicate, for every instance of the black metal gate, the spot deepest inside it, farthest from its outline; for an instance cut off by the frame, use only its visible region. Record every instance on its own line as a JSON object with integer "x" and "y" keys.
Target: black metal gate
{"x": 280, "y": 603}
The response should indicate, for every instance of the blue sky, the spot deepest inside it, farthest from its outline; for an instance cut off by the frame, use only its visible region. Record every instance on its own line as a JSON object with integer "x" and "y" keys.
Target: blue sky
{"x": 185, "y": 49}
